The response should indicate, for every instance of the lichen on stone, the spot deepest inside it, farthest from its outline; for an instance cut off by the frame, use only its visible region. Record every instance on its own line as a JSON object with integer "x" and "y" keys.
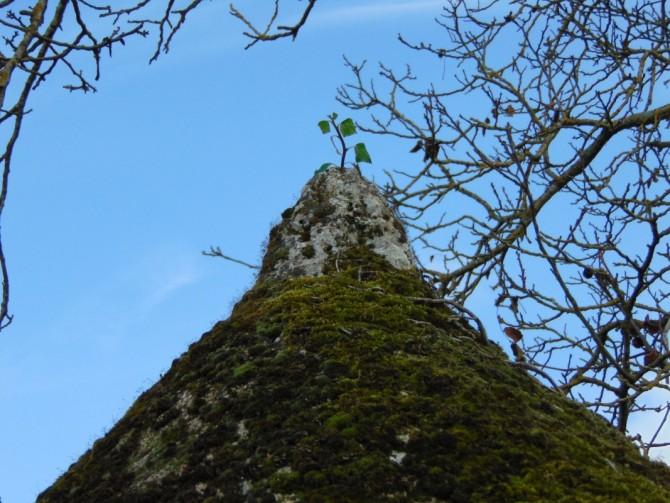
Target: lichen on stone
{"x": 337, "y": 209}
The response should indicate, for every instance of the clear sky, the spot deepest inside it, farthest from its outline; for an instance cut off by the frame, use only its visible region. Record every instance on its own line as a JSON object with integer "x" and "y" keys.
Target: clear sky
{"x": 114, "y": 195}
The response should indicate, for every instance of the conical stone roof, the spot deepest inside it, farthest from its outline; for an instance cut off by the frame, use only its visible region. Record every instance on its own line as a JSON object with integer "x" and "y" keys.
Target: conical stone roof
{"x": 343, "y": 381}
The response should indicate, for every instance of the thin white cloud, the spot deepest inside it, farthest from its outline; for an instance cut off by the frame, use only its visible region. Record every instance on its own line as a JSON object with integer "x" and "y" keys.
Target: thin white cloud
{"x": 123, "y": 297}
{"x": 171, "y": 284}
{"x": 376, "y": 10}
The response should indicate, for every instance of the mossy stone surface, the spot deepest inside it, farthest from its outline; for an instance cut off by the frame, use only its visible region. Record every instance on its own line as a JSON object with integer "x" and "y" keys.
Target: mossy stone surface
{"x": 338, "y": 209}
{"x": 341, "y": 388}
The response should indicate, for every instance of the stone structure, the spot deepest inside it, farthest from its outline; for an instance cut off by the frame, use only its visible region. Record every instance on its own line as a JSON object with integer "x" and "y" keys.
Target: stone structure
{"x": 339, "y": 379}
{"x": 337, "y": 210}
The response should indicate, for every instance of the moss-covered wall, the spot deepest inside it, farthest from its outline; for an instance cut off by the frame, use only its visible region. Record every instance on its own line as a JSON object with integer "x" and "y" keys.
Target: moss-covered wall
{"x": 341, "y": 388}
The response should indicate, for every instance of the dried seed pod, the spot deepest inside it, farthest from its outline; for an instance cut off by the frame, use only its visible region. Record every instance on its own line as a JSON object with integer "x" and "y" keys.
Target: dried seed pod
{"x": 518, "y": 353}
{"x": 417, "y": 147}
{"x": 431, "y": 150}
{"x": 651, "y": 357}
{"x": 654, "y": 326}
{"x": 513, "y": 333}
{"x": 514, "y": 304}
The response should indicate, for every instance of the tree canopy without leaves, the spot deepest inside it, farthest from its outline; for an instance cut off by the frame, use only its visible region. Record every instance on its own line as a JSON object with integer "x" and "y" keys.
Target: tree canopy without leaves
{"x": 558, "y": 168}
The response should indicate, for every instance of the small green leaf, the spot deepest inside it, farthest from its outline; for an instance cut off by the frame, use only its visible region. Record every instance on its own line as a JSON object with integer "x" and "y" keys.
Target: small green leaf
{"x": 324, "y": 126}
{"x": 347, "y": 127}
{"x": 362, "y": 154}
{"x": 323, "y": 167}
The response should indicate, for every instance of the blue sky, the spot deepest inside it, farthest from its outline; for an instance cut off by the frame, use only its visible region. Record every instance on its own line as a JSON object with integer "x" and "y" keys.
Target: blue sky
{"x": 114, "y": 195}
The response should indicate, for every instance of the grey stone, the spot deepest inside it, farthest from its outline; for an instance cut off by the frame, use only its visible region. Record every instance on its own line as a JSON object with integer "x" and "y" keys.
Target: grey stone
{"x": 337, "y": 210}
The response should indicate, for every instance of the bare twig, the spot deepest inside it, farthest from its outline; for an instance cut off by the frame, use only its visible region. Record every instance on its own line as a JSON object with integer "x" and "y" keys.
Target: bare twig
{"x": 266, "y": 34}
{"x": 215, "y": 251}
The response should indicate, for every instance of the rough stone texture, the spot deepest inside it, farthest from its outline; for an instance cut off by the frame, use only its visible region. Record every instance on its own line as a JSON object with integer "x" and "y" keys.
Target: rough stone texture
{"x": 346, "y": 386}
{"x": 338, "y": 209}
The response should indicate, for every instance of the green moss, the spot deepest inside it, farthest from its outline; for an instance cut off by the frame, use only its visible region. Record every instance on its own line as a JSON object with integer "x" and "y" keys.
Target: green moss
{"x": 400, "y": 229}
{"x": 338, "y": 420}
{"x": 280, "y": 253}
{"x": 269, "y": 329}
{"x": 244, "y": 369}
{"x": 308, "y": 251}
{"x": 334, "y": 368}
{"x": 359, "y": 375}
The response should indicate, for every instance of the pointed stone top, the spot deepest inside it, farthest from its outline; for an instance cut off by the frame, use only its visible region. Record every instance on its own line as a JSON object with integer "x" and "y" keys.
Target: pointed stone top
{"x": 337, "y": 210}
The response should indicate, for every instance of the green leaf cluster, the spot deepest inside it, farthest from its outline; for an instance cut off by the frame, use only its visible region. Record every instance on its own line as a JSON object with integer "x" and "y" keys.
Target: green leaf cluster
{"x": 342, "y": 130}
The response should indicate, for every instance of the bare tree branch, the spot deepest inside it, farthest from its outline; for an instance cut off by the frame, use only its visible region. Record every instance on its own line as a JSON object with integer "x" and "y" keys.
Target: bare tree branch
{"x": 215, "y": 251}
{"x": 281, "y": 31}
{"x": 543, "y": 175}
